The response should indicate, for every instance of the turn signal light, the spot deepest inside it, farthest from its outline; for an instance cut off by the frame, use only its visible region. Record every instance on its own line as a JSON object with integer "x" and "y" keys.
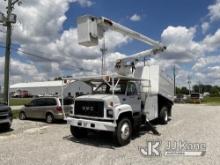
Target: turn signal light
{"x": 59, "y": 109}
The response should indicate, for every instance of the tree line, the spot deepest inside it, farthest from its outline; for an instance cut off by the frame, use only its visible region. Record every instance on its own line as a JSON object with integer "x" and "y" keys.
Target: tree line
{"x": 214, "y": 91}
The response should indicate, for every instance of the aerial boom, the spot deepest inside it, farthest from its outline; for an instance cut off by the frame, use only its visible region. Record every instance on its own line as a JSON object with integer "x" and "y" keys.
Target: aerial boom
{"x": 126, "y": 31}
{"x": 91, "y": 29}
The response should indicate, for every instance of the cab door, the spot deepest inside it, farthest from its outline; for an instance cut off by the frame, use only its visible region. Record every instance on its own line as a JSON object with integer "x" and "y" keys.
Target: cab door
{"x": 132, "y": 97}
{"x": 35, "y": 110}
{"x": 30, "y": 110}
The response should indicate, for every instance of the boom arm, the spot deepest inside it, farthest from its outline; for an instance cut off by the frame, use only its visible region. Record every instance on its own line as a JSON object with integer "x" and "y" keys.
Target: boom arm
{"x": 126, "y": 31}
{"x": 91, "y": 28}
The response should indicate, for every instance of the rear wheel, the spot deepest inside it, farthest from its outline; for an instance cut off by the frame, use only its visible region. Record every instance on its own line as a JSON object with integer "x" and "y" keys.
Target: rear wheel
{"x": 78, "y": 132}
{"x": 123, "y": 132}
{"x": 163, "y": 115}
{"x": 22, "y": 116}
{"x": 49, "y": 118}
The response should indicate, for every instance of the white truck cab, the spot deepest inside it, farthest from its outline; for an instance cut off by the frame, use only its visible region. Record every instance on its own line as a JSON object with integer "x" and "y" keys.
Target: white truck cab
{"x": 119, "y": 104}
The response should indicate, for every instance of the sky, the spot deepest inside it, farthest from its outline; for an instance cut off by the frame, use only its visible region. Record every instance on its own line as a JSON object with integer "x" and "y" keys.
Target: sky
{"x": 44, "y": 39}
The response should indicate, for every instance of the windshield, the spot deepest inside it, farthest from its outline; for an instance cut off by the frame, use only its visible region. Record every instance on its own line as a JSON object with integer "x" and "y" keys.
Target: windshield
{"x": 104, "y": 88}
{"x": 195, "y": 95}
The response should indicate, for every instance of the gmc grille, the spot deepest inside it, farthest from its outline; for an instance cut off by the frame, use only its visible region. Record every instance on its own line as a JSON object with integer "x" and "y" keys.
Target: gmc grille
{"x": 3, "y": 117}
{"x": 89, "y": 108}
{"x": 4, "y": 113}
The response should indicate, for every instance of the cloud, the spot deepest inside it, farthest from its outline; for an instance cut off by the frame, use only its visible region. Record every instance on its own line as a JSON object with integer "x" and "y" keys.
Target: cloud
{"x": 203, "y": 62}
{"x": 214, "y": 11}
{"x": 184, "y": 49}
{"x": 44, "y": 20}
{"x": 85, "y": 3}
{"x": 41, "y": 33}
{"x": 211, "y": 42}
{"x": 20, "y": 71}
{"x": 181, "y": 44}
{"x": 205, "y": 26}
{"x": 71, "y": 56}
{"x": 135, "y": 18}
{"x": 213, "y": 16}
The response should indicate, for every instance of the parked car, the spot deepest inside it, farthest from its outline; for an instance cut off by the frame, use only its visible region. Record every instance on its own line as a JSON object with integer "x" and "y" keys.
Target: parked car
{"x": 6, "y": 117}
{"x": 20, "y": 94}
{"x": 48, "y": 108}
{"x": 179, "y": 99}
{"x": 195, "y": 98}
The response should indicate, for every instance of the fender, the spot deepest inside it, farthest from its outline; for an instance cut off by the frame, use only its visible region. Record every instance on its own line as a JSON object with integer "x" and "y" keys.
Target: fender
{"x": 118, "y": 110}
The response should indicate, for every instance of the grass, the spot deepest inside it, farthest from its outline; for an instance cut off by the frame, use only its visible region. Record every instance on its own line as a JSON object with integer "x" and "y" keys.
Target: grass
{"x": 19, "y": 101}
{"x": 211, "y": 100}
{"x": 15, "y": 114}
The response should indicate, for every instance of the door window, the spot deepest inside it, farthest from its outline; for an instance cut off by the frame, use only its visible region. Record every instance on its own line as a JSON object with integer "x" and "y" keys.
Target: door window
{"x": 33, "y": 103}
{"x": 131, "y": 89}
{"x": 50, "y": 102}
{"x": 40, "y": 102}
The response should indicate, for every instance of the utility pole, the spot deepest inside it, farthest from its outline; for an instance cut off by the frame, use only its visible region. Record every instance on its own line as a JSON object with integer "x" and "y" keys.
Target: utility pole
{"x": 103, "y": 51}
{"x": 199, "y": 86}
{"x": 189, "y": 83}
{"x": 7, "y": 21}
{"x": 174, "y": 79}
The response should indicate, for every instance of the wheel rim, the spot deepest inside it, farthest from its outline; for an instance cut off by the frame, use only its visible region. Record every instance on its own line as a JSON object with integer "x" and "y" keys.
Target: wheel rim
{"x": 22, "y": 116}
{"x": 165, "y": 116}
{"x": 49, "y": 118}
{"x": 125, "y": 131}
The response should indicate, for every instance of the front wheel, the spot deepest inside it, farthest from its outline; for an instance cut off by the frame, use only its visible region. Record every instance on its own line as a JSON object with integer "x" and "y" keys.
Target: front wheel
{"x": 78, "y": 132}
{"x": 123, "y": 132}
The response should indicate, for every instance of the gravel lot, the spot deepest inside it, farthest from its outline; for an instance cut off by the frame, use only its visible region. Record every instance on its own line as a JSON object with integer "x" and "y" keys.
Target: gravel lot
{"x": 37, "y": 143}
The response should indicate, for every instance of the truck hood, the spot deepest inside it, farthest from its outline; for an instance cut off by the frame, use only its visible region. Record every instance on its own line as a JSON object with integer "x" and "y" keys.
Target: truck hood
{"x": 105, "y": 97}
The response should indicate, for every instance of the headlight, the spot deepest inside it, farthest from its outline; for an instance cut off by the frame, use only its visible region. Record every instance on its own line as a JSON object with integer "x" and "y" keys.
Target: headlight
{"x": 109, "y": 113}
{"x": 71, "y": 112}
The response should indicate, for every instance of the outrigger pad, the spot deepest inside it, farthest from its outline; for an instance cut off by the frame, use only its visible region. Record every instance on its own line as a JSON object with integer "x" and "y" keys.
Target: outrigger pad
{"x": 152, "y": 128}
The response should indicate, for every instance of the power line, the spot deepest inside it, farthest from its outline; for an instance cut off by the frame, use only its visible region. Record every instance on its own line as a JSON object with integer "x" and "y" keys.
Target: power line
{"x": 174, "y": 79}
{"x": 30, "y": 54}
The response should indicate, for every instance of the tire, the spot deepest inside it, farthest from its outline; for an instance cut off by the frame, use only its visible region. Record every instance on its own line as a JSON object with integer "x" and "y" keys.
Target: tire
{"x": 163, "y": 118}
{"x": 7, "y": 126}
{"x": 22, "y": 116}
{"x": 49, "y": 118}
{"x": 78, "y": 132}
{"x": 123, "y": 132}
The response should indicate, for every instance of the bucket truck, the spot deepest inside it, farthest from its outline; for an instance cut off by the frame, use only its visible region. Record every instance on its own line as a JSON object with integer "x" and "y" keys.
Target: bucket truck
{"x": 126, "y": 99}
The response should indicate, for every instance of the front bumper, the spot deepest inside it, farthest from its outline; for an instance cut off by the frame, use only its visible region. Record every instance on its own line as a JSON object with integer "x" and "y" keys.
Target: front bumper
{"x": 5, "y": 121}
{"x": 60, "y": 116}
{"x": 91, "y": 124}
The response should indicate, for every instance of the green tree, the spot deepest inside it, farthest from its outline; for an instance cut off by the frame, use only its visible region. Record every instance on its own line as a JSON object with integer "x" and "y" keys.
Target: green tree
{"x": 184, "y": 90}
{"x": 57, "y": 78}
{"x": 215, "y": 92}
